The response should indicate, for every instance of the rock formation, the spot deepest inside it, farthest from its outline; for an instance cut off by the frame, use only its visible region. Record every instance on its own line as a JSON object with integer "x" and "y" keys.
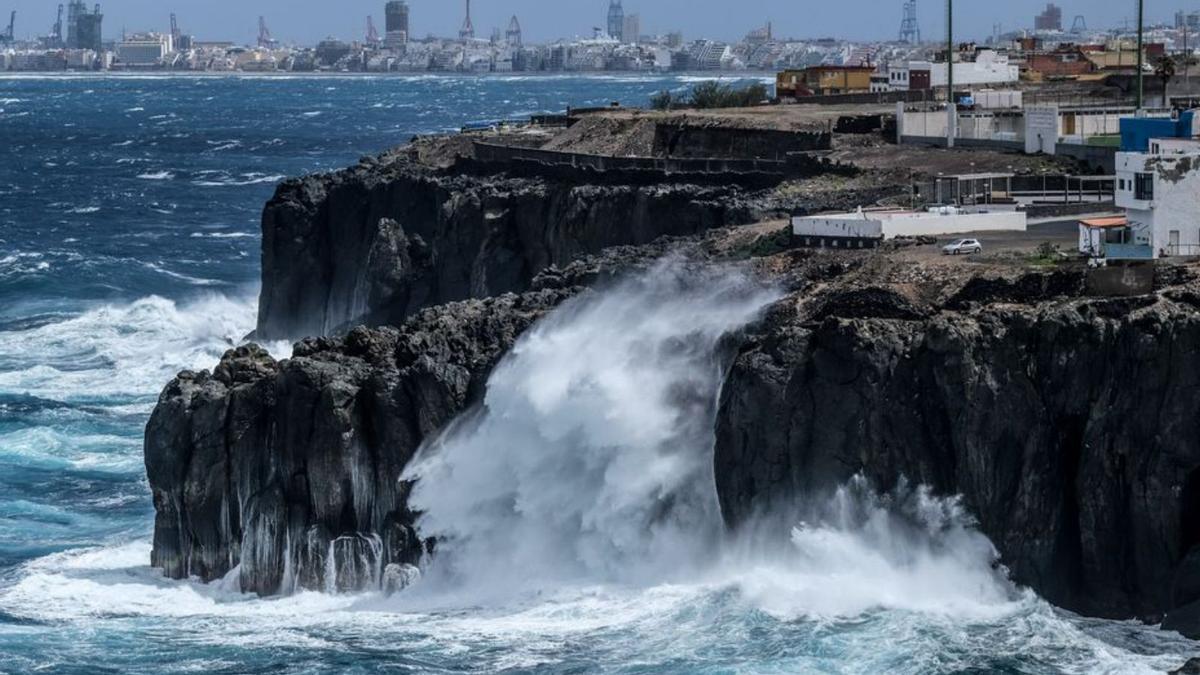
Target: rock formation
{"x": 1068, "y": 424}
{"x": 285, "y": 472}
{"x": 378, "y": 242}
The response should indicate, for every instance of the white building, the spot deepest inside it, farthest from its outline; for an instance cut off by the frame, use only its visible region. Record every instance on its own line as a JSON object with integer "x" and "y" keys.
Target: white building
{"x": 865, "y": 229}
{"x": 989, "y": 67}
{"x": 1160, "y": 192}
{"x": 144, "y": 50}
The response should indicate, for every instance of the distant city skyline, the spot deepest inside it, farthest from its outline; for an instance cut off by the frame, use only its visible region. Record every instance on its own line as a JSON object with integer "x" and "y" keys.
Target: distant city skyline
{"x": 546, "y": 20}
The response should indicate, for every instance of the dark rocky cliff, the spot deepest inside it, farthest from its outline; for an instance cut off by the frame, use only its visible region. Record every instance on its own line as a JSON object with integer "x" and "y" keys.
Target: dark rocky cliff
{"x": 286, "y": 470}
{"x": 1071, "y": 426}
{"x": 378, "y": 242}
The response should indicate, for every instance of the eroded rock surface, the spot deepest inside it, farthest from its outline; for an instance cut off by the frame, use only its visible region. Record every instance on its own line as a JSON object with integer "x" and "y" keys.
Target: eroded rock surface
{"x": 287, "y": 471}
{"x": 1070, "y": 425}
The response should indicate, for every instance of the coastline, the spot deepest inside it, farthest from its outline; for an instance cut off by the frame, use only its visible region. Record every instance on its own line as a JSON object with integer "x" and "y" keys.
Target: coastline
{"x": 688, "y": 76}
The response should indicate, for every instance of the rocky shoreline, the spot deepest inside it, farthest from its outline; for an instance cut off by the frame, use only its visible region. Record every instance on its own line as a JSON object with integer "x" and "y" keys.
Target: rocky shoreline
{"x": 1066, "y": 422}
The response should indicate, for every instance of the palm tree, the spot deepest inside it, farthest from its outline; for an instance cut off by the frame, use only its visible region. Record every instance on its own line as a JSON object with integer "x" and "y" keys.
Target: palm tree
{"x": 1165, "y": 70}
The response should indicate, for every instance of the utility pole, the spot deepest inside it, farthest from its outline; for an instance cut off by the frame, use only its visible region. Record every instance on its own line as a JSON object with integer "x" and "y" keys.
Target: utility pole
{"x": 1187, "y": 61}
{"x": 951, "y": 104}
{"x": 1141, "y": 57}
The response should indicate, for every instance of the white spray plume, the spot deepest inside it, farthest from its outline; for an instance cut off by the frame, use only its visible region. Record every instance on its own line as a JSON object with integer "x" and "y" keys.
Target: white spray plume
{"x": 591, "y": 459}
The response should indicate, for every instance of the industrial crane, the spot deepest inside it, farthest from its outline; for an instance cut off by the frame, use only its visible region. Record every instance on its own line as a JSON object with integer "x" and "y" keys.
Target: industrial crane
{"x": 372, "y": 33}
{"x": 264, "y": 35}
{"x": 8, "y": 35}
{"x": 57, "y": 34}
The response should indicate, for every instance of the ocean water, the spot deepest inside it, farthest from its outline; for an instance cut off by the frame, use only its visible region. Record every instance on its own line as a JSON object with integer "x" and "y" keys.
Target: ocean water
{"x": 129, "y": 245}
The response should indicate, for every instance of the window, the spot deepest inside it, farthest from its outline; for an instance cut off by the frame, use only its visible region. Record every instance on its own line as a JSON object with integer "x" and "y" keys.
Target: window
{"x": 1143, "y": 186}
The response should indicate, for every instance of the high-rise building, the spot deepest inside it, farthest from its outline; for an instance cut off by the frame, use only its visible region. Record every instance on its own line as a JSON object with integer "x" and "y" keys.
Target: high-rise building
{"x": 1050, "y": 19}
{"x": 616, "y": 20}
{"x": 632, "y": 28}
{"x": 396, "y": 16}
{"x": 83, "y": 26}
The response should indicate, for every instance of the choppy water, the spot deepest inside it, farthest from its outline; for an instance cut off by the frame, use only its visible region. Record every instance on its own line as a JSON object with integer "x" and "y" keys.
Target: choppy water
{"x": 129, "y": 250}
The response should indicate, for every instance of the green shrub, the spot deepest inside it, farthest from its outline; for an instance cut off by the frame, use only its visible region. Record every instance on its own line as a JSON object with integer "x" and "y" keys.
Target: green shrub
{"x": 663, "y": 100}
{"x": 712, "y": 94}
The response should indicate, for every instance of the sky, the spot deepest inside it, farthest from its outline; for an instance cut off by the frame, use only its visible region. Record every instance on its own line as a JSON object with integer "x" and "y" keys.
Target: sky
{"x": 307, "y": 21}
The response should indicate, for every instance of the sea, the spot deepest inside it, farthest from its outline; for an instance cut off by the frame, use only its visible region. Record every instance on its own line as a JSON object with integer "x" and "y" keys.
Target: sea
{"x": 129, "y": 250}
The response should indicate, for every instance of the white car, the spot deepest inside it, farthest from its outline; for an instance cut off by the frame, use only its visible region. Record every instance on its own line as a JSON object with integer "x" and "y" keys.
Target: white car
{"x": 962, "y": 247}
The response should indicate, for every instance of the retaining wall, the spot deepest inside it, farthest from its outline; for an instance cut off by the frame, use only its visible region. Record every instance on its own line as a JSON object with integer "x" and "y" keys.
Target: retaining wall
{"x": 698, "y": 142}
{"x": 603, "y": 168}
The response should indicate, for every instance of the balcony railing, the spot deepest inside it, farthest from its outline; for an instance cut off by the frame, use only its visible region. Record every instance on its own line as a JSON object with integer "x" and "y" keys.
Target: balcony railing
{"x": 1182, "y": 250}
{"x": 1128, "y": 252}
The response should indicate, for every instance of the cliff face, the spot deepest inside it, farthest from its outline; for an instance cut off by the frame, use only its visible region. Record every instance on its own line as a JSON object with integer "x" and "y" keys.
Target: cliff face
{"x": 1069, "y": 425}
{"x": 287, "y": 472}
{"x": 378, "y": 242}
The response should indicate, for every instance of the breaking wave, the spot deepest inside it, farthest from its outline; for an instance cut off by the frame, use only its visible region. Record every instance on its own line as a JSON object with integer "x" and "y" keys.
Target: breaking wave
{"x": 122, "y": 353}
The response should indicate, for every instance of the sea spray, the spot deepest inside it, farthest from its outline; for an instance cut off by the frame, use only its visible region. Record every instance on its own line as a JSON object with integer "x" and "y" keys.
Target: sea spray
{"x": 855, "y": 550}
{"x": 591, "y": 457}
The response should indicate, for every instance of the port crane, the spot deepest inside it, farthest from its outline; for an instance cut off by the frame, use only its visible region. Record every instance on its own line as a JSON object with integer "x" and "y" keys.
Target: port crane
{"x": 56, "y": 34}
{"x": 8, "y": 35}
{"x": 264, "y": 35}
{"x": 372, "y": 33}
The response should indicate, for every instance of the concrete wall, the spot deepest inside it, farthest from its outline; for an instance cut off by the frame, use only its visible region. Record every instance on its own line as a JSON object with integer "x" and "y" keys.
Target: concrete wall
{"x": 926, "y": 224}
{"x": 906, "y": 96}
{"x": 893, "y": 225}
{"x": 837, "y": 226}
{"x": 756, "y": 173}
{"x": 697, "y": 142}
{"x": 1121, "y": 281}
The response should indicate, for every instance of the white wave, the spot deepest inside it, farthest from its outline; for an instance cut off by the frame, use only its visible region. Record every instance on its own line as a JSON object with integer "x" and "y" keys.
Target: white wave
{"x": 247, "y": 179}
{"x": 157, "y": 175}
{"x": 85, "y": 210}
{"x": 195, "y": 281}
{"x": 679, "y": 627}
{"x": 52, "y": 448}
{"x": 592, "y": 456}
{"x": 223, "y": 235}
{"x": 123, "y": 353}
{"x": 860, "y": 551}
{"x": 132, "y": 110}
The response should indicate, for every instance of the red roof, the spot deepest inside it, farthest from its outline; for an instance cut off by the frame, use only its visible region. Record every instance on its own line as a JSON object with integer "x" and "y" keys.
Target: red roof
{"x": 1118, "y": 221}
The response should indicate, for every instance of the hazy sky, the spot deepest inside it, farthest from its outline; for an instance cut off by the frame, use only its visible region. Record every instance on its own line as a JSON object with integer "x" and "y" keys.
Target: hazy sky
{"x": 308, "y": 20}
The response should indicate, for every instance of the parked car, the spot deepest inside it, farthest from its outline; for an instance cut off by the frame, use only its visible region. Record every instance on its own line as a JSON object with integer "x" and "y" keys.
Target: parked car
{"x": 962, "y": 247}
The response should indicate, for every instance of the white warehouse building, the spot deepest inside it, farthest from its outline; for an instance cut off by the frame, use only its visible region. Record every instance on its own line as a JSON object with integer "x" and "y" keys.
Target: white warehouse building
{"x": 867, "y": 229}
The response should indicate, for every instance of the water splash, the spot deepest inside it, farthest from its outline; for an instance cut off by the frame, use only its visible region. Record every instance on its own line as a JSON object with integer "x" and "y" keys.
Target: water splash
{"x": 591, "y": 456}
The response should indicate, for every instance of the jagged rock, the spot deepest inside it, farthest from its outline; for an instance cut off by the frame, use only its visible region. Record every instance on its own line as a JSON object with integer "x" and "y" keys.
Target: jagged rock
{"x": 1070, "y": 426}
{"x": 396, "y": 578}
{"x": 380, "y": 241}
{"x": 1192, "y": 667}
{"x": 280, "y": 466}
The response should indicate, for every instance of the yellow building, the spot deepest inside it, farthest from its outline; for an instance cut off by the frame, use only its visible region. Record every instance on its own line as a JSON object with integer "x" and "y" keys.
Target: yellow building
{"x": 822, "y": 80}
